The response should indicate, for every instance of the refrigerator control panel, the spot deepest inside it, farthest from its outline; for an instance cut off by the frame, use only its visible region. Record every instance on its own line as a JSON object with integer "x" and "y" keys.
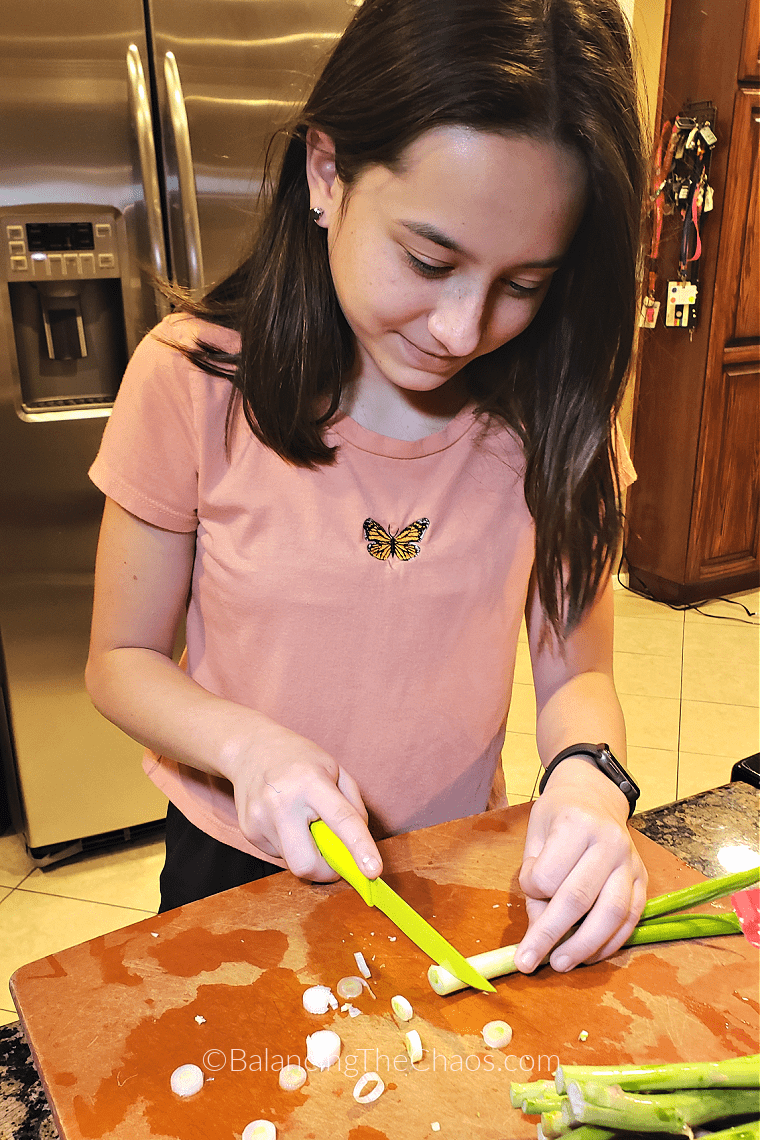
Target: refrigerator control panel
{"x": 54, "y": 249}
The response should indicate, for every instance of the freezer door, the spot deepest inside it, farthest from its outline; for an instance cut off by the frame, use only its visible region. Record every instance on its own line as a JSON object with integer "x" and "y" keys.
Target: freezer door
{"x": 68, "y": 153}
{"x": 70, "y": 134}
{"x": 229, "y": 73}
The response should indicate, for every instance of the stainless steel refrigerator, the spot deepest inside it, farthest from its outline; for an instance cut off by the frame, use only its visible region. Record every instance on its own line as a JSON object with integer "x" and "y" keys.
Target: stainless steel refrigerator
{"x": 132, "y": 137}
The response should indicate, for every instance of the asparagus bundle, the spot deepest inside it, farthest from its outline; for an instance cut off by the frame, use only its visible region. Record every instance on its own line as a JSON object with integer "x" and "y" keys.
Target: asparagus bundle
{"x": 734, "y": 1072}
{"x": 658, "y": 923}
{"x": 673, "y": 1112}
{"x": 604, "y": 1102}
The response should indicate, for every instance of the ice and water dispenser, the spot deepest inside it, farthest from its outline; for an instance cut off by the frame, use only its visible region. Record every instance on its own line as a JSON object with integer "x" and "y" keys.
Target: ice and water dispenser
{"x": 63, "y": 301}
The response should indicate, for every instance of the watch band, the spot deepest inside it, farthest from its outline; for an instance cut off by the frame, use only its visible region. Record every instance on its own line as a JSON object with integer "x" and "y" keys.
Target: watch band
{"x": 606, "y": 762}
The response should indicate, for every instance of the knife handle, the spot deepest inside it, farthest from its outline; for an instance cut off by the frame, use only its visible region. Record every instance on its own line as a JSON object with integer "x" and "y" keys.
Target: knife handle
{"x": 336, "y": 855}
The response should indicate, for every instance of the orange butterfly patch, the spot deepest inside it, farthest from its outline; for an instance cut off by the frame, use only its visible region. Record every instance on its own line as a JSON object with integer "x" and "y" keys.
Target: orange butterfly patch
{"x": 404, "y": 544}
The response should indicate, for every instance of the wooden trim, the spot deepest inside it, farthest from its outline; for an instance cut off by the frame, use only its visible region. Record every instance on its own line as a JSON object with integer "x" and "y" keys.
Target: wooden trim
{"x": 734, "y": 354}
{"x": 749, "y": 63}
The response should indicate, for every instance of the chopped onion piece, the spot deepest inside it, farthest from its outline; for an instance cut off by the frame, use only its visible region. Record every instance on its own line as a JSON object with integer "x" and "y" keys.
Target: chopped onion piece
{"x": 187, "y": 1080}
{"x": 318, "y": 999}
{"x": 413, "y": 1045}
{"x": 497, "y": 1034}
{"x": 402, "y": 1008}
{"x": 292, "y": 1077}
{"x": 323, "y": 1049}
{"x": 260, "y": 1130}
{"x": 350, "y": 987}
{"x": 353, "y": 1011}
{"x": 364, "y": 969}
{"x": 583, "y": 1035}
{"x": 364, "y": 1080}
{"x": 435, "y": 1126}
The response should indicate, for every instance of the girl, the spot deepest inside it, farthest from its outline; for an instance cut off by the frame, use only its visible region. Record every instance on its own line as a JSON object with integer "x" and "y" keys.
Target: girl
{"x": 371, "y": 449}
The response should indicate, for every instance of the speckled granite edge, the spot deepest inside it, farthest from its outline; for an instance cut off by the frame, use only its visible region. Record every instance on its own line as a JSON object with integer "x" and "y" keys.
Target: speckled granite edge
{"x": 24, "y": 1111}
{"x": 696, "y": 829}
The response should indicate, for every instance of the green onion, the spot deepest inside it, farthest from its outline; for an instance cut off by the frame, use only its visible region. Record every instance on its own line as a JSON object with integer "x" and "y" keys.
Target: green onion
{"x": 657, "y": 924}
{"x": 700, "y": 893}
{"x": 497, "y": 963}
{"x": 668, "y": 928}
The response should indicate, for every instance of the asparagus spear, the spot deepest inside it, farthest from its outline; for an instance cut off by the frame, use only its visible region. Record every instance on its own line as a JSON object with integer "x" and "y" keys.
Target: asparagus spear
{"x": 591, "y": 1132}
{"x": 700, "y": 893}
{"x": 674, "y": 1112}
{"x": 520, "y": 1091}
{"x": 537, "y": 1105}
{"x": 553, "y": 1124}
{"x": 733, "y": 1072}
{"x": 749, "y": 1131}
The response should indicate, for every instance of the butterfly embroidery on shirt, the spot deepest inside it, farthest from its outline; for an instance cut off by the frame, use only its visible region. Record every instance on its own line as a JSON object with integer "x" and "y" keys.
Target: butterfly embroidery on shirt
{"x": 404, "y": 544}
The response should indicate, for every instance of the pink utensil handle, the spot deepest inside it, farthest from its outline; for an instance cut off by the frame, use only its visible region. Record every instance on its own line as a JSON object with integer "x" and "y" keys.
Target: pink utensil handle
{"x": 747, "y": 907}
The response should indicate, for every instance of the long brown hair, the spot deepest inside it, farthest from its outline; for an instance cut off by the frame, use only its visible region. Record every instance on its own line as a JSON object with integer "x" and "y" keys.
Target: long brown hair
{"x": 558, "y": 69}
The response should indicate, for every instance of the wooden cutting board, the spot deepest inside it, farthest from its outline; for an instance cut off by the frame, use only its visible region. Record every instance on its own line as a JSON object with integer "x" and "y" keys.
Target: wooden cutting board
{"x": 109, "y": 1020}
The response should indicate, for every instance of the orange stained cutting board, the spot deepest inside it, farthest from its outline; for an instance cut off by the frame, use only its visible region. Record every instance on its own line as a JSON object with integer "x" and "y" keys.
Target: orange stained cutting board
{"x": 109, "y": 1020}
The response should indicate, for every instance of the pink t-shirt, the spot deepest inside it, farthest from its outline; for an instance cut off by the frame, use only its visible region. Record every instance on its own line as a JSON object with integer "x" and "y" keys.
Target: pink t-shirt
{"x": 401, "y": 670}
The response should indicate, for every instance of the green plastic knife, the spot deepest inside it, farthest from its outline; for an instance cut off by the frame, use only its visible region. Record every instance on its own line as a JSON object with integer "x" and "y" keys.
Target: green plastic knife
{"x": 377, "y": 893}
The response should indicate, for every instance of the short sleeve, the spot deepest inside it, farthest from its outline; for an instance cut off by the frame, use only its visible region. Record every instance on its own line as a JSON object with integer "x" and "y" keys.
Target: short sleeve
{"x": 148, "y": 457}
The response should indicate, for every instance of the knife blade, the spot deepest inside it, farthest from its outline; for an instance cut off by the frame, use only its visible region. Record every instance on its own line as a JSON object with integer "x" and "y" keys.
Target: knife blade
{"x": 377, "y": 893}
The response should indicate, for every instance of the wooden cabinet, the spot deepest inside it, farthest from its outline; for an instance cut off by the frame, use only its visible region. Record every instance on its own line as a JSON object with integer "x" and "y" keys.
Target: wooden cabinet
{"x": 693, "y": 527}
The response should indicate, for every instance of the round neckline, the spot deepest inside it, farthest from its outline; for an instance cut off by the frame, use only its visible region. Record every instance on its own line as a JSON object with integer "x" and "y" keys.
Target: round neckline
{"x": 352, "y": 432}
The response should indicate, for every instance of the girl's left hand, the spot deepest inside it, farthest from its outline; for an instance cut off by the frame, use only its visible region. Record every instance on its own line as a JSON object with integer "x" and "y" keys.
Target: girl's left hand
{"x": 579, "y": 860}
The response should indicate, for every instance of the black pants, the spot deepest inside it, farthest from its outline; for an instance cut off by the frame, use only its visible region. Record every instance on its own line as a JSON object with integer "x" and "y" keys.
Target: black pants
{"x": 198, "y": 866}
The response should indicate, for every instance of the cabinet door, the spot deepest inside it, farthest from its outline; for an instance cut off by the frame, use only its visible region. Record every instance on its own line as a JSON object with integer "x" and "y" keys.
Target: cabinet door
{"x": 727, "y": 500}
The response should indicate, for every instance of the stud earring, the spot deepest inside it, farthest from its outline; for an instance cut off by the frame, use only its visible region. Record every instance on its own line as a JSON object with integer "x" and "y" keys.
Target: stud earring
{"x": 315, "y": 213}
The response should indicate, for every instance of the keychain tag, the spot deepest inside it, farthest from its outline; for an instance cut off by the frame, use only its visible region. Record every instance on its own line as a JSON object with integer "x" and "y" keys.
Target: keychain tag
{"x": 649, "y": 310}
{"x": 681, "y": 308}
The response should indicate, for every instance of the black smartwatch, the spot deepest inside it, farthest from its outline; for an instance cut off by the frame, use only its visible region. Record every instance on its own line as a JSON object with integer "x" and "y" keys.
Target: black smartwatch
{"x": 605, "y": 762}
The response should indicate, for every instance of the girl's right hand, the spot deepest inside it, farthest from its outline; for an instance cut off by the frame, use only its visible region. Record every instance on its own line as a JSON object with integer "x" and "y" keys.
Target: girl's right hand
{"x": 285, "y": 782}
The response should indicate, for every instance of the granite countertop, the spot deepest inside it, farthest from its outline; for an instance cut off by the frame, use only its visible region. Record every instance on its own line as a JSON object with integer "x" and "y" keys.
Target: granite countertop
{"x": 699, "y": 828}
{"x": 696, "y": 830}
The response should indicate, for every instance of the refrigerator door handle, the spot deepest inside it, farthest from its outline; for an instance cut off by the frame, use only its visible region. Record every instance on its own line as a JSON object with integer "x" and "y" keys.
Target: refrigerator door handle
{"x": 139, "y": 105}
{"x": 185, "y": 172}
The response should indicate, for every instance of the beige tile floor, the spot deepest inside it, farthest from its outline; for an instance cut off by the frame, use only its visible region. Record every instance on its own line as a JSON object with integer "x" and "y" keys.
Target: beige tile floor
{"x": 689, "y": 689}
